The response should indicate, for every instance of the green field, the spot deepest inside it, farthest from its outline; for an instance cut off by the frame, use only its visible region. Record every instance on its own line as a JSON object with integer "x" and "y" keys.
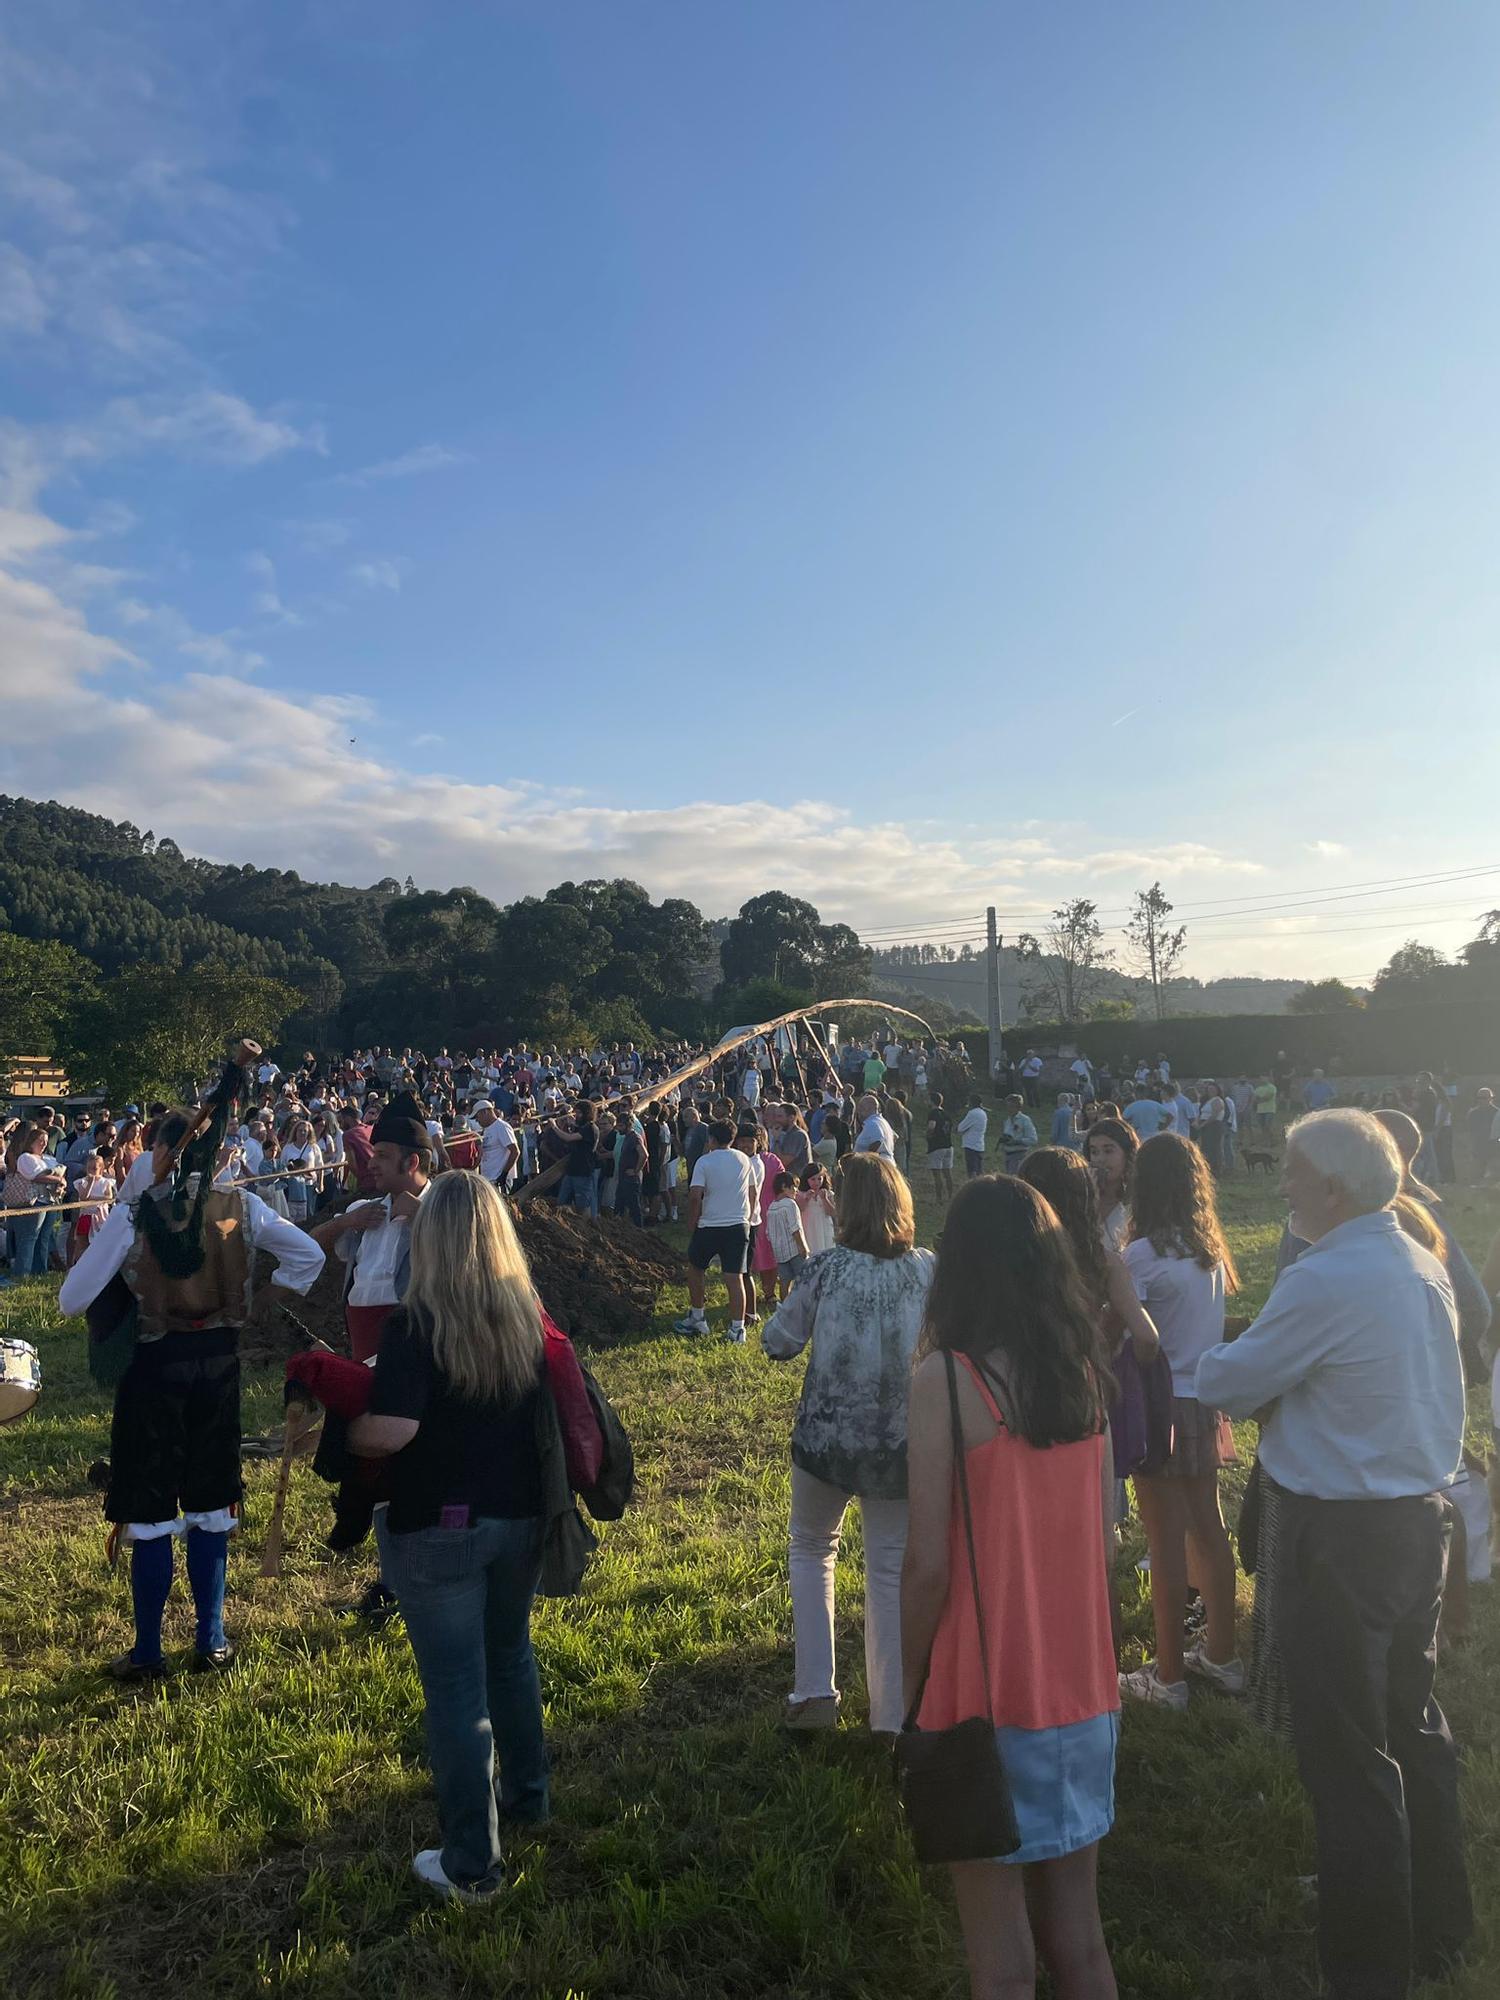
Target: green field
{"x": 252, "y": 1834}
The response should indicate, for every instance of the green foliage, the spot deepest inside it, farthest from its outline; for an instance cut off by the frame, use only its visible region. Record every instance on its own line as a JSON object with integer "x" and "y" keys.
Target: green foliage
{"x": 759, "y": 1000}
{"x": 1324, "y": 996}
{"x": 781, "y": 938}
{"x": 40, "y": 982}
{"x": 152, "y": 1034}
{"x": 1067, "y": 964}
{"x": 1414, "y": 973}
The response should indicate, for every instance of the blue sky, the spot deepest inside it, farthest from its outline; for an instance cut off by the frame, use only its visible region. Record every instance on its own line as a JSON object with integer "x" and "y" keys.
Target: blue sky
{"x": 914, "y": 457}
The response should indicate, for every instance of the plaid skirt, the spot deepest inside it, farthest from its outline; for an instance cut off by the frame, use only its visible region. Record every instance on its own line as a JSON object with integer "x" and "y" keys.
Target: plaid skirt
{"x": 1203, "y": 1440}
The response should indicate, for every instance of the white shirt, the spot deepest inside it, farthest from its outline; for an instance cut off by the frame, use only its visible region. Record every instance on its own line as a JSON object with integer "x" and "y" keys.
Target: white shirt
{"x": 783, "y": 1226}
{"x": 376, "y": 1254}
{"x": 750, "y": 1088}
{"x": 1183, "y": 1111}
{"x": 876, "y": 1136}
{"x": 726, "y": 1178}
{"x": 1357, "y": 1348}
{"x": 299, "y": 1260}
{"x": 973, "y": 1127}
{"x": 255, "y": 1156}
{"x": 1032, "y": 1066}
{"x": 495, "y": 1145}
{"x": 1185, "y": 1301}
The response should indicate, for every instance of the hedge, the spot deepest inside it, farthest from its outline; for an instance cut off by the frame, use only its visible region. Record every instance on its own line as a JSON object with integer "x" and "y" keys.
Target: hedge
{"x": 1463, "y": 1036}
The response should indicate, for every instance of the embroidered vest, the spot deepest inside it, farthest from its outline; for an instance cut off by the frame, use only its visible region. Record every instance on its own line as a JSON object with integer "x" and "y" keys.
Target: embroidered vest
{"x": 218, "y": 1292}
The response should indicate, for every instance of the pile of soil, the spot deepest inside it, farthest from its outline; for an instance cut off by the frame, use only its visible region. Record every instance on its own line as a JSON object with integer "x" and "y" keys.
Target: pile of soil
{"x": 600, "y": 1281}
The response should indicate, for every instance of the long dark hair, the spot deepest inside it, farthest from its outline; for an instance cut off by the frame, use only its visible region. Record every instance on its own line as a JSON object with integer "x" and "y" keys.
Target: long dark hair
{"x": 1007, "y": 1283}
{"x": 1172, "y": 1205}
{"x": 1060, "y": 1177}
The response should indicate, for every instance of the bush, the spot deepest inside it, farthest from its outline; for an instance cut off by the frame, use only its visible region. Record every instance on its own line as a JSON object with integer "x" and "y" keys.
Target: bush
{"x": 1458, "y": 1035}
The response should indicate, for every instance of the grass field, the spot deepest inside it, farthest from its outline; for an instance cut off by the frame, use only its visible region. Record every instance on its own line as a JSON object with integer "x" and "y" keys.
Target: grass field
{"x": 251, "y": 1835}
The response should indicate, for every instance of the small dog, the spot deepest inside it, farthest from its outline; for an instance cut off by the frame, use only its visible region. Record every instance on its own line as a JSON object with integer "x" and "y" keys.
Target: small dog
{"x": 1253, "y": 1158}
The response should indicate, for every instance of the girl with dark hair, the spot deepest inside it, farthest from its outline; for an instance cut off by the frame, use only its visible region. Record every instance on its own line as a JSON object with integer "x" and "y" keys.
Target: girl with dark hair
{"x": 1112, "y": 1147}
{"x": 1182, "y": 1269}
{"x": 1012, "y": 1330}
{"x": 1062, "y": 1180}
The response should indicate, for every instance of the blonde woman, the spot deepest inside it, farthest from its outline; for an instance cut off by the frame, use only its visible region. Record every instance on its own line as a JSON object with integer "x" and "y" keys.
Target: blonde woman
{"x": 455, "y": 1396}
{"x": 860, "y": 1308}
{"x": 302, "y": 1163}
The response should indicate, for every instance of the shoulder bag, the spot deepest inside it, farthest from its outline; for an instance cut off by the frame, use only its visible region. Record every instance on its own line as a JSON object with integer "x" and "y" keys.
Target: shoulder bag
{"x": 954, "y": 1791}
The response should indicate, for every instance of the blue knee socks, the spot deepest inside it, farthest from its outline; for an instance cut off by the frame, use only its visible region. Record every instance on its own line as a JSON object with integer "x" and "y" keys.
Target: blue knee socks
{"x": 207, "y": 1556}
{"x": 150, "y": 1581}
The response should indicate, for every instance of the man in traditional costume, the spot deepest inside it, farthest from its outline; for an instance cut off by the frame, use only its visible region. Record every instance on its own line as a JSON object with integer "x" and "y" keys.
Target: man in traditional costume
{"x": 166, "y": 1284}
{"x": 374, "y": 1240}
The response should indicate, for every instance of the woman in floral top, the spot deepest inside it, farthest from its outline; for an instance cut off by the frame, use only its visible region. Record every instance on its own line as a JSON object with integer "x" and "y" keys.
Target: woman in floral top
{"x": 860, "y": 1307}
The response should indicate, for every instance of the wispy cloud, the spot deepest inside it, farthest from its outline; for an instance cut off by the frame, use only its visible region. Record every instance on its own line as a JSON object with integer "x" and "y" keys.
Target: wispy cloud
{"x": 422, "y": 458}
{"x": 167, "y": 625}
{"x": 378, "y": 573}
{"x": 268, "y": 600}
{"x": 208, "y": 424}
{"x": 319, "y": 537}
{"x": 1327, "y": 850}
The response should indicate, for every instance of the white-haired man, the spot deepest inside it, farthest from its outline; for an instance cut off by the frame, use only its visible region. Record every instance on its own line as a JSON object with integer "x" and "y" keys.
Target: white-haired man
{"x": 1357, "y": 1352}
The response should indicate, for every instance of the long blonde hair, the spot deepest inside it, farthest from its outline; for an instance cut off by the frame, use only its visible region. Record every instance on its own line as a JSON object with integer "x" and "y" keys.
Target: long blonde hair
{"x": 470, "y": 1291}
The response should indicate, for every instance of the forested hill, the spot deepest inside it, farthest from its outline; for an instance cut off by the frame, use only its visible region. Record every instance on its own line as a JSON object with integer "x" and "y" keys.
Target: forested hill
{"x": 387, "y": 963}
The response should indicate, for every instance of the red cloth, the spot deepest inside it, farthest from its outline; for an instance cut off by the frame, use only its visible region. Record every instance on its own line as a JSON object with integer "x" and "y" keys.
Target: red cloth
{"x": 358, "y": 1149}
{"x": 342, "y": 1386}
{"x": 462, "y": 1150}
{"x": 583, "y": 1444}
{"x": 365, "y": 1325}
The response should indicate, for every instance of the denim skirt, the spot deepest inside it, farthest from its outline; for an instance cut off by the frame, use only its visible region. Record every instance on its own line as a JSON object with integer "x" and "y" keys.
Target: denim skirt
{"x": 1062, "y": 1784}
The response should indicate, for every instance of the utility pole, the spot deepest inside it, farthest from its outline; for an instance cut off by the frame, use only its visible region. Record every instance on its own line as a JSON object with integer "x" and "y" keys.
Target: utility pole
{"x": 992, "y": 982}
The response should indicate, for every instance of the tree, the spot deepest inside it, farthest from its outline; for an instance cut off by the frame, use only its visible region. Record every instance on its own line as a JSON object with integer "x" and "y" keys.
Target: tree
{"x": 1153, "y": 945}
{"x": 1068, "y": 963}
{"x": 779, "y": 937}
{"x": 1415, "y": 973}
{"x": 40, "y": 982}
{"x": 1324, "y": 996}
{"x": 154, "y": 1032}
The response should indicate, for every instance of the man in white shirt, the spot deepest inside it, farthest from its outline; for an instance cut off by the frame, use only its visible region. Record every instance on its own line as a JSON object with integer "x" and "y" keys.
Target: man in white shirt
{"x": 1031, "y": 1077}
{"x": 875, "y": 1135}
{"x": 973, "y": 1129}
{"x": 1356, "y": 1355}
{"x": 719, "y": 1216}
{"x": 498, "y": 1150}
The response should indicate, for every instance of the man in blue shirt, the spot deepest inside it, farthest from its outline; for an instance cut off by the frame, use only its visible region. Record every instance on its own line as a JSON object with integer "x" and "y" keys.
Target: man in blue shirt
{"x": 1317, "y": 1093}
{"x": 1356, "y": 1355}
{"x": 1146, "y": 1114}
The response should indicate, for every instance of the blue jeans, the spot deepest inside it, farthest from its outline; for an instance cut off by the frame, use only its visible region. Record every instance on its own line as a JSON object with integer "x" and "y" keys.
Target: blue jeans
{"x": 466, "y": 1597}
{"x": 26, "y": 1241}
{"x": 579, "y": 1191}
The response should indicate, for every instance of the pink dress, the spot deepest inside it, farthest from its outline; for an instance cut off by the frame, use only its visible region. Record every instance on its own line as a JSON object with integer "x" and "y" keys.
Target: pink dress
{"x": 764, "y": 1258}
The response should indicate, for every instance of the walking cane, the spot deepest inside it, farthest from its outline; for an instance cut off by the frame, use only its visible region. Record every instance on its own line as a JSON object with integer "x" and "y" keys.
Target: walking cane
{"x": 270, "y": 1562}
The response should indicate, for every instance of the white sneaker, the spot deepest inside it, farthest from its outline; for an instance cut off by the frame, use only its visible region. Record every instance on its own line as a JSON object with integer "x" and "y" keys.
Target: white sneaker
{"x": 752, "y": 1319}
{"x": 1228, "y": 1676}
{"x": 736, "y": 1333}
{"x": 1146, "y": 1684}
{"x": 691, "y": 1322}
{"x": 428, "y": 1867}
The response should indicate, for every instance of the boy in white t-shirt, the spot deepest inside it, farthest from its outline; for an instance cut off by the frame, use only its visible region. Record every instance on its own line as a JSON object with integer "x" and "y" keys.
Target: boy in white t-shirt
{"x": 784, "y": 1228}
{"x": 719, "y": 1210}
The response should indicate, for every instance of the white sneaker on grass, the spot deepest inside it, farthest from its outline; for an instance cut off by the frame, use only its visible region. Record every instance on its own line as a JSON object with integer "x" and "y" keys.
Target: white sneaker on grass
{"x": 1228, "y": 1676}
{"x": 1147, "y": 1685}
{"x": 735, "y": 1333}
{"x": 691, "y": 1322}
{"x": 428, "y": 1867}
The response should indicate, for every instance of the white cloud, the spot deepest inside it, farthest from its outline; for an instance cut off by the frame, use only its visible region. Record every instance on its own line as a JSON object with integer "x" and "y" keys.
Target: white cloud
{"x": 1327, "y": 850}
{"x": 206, "y": 424}
{"x": 267, "y": 598}
{"x": 165, "y": 623}
{"x": 23, "y": 306}
{"x": 422, "y": 458}
{"x": 320, "y": 537}
{"x": 378, "y": 573}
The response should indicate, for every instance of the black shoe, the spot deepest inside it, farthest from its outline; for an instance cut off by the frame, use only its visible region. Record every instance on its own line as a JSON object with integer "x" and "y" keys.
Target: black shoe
{"x": 377, "y": 1607}
{"x": 217, "y": 1660}
{"x": 128, "y": 1670}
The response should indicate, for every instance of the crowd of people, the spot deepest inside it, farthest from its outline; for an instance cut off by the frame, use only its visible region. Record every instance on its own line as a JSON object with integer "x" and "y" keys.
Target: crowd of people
{"x": 983, "y": 1404}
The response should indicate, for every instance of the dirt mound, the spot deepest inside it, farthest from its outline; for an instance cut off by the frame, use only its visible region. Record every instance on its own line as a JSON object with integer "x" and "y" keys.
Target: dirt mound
{"x": 599, "y": 1280}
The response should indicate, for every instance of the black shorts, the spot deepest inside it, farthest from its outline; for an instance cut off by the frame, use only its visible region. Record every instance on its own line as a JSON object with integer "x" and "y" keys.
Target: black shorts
{"x": 174, "y": 1444}
{"x": 730, "y": 1243}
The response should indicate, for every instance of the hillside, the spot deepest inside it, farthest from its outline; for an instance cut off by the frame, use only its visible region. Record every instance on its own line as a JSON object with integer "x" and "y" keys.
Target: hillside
{"x": 959, "y": 982}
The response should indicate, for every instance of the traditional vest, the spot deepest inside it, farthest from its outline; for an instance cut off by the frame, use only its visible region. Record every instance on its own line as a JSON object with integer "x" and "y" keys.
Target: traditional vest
{"x": 218, "y": 1292}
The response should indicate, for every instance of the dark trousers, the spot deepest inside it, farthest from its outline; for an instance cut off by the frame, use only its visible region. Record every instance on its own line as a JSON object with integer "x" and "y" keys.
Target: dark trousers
{"x": 1361, "y": 1589}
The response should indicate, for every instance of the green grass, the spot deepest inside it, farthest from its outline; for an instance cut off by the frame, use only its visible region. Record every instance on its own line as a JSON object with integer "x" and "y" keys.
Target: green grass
{"x": 252, "y": 1835}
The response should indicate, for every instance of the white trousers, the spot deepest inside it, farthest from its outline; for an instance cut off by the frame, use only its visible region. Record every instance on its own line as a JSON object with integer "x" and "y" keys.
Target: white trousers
{"x": 818, "y": 1511}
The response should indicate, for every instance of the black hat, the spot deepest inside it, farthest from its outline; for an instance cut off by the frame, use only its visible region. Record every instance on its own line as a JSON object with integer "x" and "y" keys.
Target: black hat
{"x": 402, "y": 1124}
